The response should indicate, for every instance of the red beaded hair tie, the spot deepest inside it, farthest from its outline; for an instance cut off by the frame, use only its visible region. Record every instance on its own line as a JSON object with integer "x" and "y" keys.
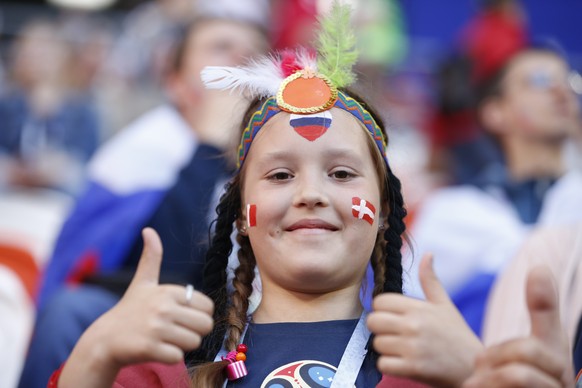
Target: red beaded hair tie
{"x": 236, "y": 368}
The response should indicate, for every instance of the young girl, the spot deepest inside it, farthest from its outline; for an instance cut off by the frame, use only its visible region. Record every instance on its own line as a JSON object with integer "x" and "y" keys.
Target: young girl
{"x": 315, "y": 203}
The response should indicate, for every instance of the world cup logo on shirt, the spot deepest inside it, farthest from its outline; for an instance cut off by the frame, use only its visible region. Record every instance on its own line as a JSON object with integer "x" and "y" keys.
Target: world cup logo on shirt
{"x": 301, "y": 374}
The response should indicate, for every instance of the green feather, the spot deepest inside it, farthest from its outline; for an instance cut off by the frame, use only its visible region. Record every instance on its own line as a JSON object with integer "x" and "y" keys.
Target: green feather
{"x": 336, "y": 46}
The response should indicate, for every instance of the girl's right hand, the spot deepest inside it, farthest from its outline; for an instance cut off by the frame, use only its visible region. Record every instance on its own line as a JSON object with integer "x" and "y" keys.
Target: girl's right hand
{"x": 152, "y": 322}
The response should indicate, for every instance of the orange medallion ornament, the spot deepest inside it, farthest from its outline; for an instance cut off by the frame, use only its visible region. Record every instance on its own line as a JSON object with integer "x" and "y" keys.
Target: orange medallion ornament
{"x": 305, "y": 92}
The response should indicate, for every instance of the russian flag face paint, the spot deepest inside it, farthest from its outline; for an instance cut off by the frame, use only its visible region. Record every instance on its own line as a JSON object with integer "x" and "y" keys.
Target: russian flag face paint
{"x": 363, "y": 210}
{"x": 311, "y": 126}
{"x": 251, "y": 215}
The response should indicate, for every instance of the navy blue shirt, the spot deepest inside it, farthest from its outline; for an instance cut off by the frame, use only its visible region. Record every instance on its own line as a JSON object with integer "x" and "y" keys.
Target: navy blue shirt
{"x": 281, "y": 355}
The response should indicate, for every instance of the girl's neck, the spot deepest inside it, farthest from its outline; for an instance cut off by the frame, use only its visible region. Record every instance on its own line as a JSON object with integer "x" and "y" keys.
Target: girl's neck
{"x": 279, "y": 305}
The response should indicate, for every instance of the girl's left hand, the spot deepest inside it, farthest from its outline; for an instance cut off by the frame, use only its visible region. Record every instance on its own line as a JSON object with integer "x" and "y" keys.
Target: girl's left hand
{"x": 425, "y": 340}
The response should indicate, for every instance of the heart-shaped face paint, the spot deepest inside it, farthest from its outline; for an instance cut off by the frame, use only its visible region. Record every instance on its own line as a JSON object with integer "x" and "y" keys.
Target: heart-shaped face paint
{"x": 311, "y": 126}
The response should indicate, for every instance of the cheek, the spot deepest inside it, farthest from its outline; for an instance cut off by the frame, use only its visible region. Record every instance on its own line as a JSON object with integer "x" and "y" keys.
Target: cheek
{"x": 265, "y": 210}
{"x": 363, "y": 209}
{"x": 524, "y": 114}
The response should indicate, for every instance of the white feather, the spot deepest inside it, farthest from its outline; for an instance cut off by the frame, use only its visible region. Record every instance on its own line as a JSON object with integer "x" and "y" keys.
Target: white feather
{"x": 261, "y": 78}
{"x": 306, "y": 59}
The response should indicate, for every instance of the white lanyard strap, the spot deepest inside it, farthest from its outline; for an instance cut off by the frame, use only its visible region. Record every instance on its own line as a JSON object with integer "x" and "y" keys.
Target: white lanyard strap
{"x": 353, "y": 357}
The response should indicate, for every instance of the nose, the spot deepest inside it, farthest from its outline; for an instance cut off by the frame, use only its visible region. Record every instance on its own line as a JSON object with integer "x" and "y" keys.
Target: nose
{"x": 311, "y": 192}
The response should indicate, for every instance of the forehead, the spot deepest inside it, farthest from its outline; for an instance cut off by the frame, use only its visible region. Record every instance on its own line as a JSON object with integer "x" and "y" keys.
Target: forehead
{"x": 345, "y": 132}
{"x": 525, "y": 64}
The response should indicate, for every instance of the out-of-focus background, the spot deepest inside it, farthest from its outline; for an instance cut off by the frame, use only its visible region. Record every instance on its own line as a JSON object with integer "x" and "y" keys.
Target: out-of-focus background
{"x": 73, "y": 73}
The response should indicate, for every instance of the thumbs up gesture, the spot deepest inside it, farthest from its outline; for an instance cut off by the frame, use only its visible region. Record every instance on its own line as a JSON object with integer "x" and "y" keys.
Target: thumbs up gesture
{"x": 425, "y": 340}
{"x": 152, "y": 322}
{"x": 540, "y": 360}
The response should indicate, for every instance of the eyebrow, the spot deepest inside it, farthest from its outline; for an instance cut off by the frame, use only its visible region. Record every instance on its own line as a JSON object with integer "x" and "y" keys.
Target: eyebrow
{"x": 333, "y": 153}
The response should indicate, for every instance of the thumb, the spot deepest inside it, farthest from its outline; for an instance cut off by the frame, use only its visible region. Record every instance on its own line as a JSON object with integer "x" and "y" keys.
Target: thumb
{"x": 431, "y": 285}
{"x": 148, "y": 269}
{"x": 543, "y": 305}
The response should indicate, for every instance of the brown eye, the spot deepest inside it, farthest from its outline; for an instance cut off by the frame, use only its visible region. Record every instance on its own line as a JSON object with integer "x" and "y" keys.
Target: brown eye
{"x": 280, "y": 176}
{"x": 342, "y": 174}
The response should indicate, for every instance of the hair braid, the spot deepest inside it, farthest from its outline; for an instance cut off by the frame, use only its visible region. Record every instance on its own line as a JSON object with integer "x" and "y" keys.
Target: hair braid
{"x": 214, "y": 281}
{"x": 379, "y": 265}
{"x": 394, "y": 235}
{"x": 221, "y": 246}
{"x": 229, "y": 316}
{"x": 242, "y": 282}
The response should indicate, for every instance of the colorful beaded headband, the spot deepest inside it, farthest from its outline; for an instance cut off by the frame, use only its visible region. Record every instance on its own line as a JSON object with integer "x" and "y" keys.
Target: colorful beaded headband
{"x": 270, "y": 108}
{"x": 300, "y": 83}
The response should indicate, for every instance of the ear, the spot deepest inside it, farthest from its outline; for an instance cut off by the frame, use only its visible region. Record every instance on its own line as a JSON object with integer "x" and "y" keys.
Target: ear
{"x": 241, "y": 222}
{"x": 241, "y": 226}
{"x": 383, "y": 219}
{"x": 173, "y": 87}
{"x": 492, "y": 116}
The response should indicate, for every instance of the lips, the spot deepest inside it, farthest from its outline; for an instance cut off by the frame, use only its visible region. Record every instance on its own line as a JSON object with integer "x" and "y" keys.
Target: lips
{"x": 312, "y": 224}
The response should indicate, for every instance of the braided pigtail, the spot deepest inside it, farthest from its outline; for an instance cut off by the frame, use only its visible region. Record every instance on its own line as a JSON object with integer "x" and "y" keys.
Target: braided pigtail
{"x": 379, "y": 265}
{"x": 394, "y": 235}
{"x": 242, "y": 282}
{"x": 211, "y": 374}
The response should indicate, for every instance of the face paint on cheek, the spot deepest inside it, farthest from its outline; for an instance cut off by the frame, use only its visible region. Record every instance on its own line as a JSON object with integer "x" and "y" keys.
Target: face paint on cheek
{"x": 363, "y": 210}
{"x": 311, "y": 126}
{"x": 251, "y": 215}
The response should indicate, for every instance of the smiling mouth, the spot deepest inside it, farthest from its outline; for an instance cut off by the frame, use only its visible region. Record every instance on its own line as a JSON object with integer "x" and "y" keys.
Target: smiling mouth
{"x": 312, "y": 224}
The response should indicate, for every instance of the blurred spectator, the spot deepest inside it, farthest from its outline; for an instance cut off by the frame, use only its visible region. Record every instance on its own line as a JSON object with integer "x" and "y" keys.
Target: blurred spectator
{"x": 129, "y": 83}
{"x": 558, "y": 248}
{"x": 459, "y": 147}
{"x": 528, "y": 110}
{"x": 160, "y": 171}
{"x": 49, "y": 131}
{"x": 90, "y": 37}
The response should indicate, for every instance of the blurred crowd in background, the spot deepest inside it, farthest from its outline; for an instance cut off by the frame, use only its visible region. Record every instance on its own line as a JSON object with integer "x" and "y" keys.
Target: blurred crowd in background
{"x": 73, "y": 74}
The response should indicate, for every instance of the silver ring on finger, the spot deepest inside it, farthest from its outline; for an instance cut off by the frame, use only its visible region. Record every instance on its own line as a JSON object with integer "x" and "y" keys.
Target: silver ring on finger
{"x": 189, "y": 293}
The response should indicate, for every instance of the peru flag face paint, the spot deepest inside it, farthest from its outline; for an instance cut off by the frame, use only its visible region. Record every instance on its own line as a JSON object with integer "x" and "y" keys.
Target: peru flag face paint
{"x": 311, "y": 126}
{"x": 251, "y": 215}
{"x": 363, "y": 210}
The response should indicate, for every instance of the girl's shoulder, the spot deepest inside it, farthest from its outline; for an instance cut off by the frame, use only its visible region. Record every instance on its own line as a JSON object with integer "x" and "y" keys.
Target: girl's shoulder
{"x": 153, "y": 374}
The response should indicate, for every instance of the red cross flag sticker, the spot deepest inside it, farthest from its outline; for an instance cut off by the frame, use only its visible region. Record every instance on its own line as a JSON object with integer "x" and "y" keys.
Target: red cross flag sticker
{"x": 363, "y": 210}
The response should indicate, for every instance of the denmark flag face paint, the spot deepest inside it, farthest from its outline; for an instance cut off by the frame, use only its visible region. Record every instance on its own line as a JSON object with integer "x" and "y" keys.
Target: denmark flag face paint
{"x": 251, "y": 215}
{"x": 363, "y": 210}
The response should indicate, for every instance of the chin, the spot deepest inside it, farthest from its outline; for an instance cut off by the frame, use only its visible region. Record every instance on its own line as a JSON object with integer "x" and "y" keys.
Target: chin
{"x": 312, "y": 276}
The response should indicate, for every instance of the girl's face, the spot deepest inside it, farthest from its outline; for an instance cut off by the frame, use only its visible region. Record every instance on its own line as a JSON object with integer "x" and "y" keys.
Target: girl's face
{"x": 312, "y": 231}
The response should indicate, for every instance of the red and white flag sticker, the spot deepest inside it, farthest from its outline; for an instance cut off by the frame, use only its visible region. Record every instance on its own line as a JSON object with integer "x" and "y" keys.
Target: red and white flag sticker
{"x": 251, "y": 215}
{"x": 363, "y": 210}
